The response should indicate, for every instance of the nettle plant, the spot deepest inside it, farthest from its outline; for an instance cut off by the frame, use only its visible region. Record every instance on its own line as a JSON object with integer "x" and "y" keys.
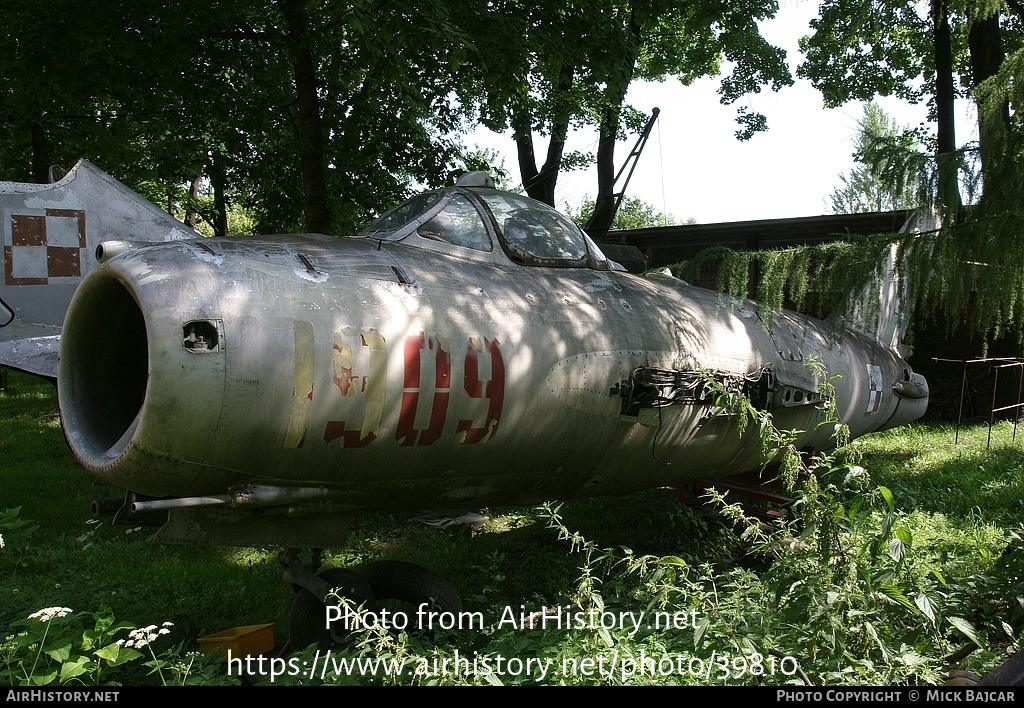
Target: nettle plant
{"x": 848, "y": 593}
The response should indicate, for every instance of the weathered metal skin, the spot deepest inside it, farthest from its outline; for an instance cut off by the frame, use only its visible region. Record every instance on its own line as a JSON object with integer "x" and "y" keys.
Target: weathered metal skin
{"x": 50, "y": 234}
{"x": 409, "y": 374}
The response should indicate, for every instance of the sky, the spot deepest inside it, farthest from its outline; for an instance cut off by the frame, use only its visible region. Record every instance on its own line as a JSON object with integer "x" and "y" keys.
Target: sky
{"x": 694, "y": 167}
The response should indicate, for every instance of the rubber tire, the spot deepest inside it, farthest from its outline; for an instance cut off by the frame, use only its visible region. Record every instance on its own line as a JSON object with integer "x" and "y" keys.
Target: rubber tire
{"x": 307, "y": 619}
{"x": 413, "y": 584}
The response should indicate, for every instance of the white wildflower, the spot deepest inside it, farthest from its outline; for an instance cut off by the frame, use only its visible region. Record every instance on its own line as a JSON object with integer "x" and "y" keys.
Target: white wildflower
{"x": 48, "y": 613}
{"x": 139, "y": 638}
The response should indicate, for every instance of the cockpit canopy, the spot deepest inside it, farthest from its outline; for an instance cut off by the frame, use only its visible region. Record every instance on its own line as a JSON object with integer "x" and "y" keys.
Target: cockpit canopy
{"x": 476, "y": 218}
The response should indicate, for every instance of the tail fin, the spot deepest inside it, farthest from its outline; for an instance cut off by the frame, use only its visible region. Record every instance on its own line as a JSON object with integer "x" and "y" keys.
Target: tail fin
{"x": 881, "y": 310}
{"x": 50, "y": 233}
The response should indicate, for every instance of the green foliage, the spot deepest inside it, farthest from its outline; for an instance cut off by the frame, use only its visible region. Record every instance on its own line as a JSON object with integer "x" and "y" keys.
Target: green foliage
{"x": 885, "y": 179}
{"x": 10, "y": 521}
{"x": 819, "y": 279}
{"x": 57, "y": 646}
{"x": 162, "y": 93}
{"x": 847, "y": 582}
{"x": 967, "y": 272}
{"x": 167, "y": 95}
{"x": 965, "y": 275}
{"x": 863, "y": 49}
{"x": 544, "y": 68}
{"x": 633, "y": 213}
{"x": 871, "y": 579}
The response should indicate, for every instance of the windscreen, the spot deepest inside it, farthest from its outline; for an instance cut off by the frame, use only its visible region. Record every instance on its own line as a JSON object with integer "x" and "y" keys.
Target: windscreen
{"x": 396, "y": 217}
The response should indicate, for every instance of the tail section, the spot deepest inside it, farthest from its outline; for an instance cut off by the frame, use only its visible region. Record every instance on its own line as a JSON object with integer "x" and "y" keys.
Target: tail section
{"x": 881, "y": 310}
{"x": 50, "y": 233}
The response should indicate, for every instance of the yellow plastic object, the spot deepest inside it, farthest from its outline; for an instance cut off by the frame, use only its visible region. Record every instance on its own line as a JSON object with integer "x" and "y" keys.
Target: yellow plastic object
{"x": 250, "y": 640}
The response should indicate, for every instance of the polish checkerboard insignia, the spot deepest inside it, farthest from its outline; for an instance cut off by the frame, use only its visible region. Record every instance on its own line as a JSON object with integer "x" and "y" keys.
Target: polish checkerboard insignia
{"x": 44, "y": 247}
{"x": 875, "y": 391}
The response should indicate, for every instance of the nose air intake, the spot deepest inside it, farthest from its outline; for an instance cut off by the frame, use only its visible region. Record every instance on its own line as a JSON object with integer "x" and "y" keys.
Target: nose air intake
{"x": 104, "y": 361}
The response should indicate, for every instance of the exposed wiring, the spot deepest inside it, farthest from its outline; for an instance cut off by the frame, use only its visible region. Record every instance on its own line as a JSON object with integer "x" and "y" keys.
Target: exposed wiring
{"x": 658, "y": 388}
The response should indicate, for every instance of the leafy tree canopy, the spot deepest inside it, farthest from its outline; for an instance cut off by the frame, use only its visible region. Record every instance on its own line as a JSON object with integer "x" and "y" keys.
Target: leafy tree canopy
{"x": 158, "y": 93}
{"x": 559, "y": 66}
{"x": 633, "y": 213}
{"x": 316, "y": 114}
{"x": 875, "y": 183}
{"x": 968, "y": 271}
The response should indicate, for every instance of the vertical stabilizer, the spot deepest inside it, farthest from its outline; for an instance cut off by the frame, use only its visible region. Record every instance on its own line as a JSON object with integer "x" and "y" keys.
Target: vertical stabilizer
{"x": 50, "y": 233}
{"x": 881, "y": 310}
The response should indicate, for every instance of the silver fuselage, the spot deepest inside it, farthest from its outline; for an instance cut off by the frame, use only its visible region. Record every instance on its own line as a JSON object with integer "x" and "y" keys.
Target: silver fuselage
{"x": 408, "y": 376}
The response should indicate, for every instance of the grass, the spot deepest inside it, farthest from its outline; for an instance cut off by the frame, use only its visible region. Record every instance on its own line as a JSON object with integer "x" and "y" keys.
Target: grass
{"x": 867, "y": 587}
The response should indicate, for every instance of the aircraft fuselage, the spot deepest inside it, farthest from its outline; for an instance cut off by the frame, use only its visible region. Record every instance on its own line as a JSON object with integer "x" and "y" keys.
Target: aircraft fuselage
{"x": 403, "y": 378}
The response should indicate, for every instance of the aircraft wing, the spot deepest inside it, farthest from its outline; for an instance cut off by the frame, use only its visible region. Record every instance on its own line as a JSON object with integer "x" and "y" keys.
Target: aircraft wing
{"x": 32, "y": 353}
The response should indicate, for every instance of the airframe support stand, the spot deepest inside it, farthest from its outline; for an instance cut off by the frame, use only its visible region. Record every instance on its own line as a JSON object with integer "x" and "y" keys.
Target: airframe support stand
{"x": 995, "y": 365}
{"x": 280, "y": 527}
{"x": 265, "y": 527}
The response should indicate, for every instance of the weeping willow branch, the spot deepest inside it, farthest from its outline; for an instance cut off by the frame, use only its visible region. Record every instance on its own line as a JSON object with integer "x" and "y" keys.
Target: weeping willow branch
{"x": 964, "y": 277}
{"x": 818, "y": 279}
{"x": 967, "y": 277}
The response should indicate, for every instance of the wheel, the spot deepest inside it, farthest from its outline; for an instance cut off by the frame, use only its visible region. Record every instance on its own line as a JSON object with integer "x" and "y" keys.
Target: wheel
{"x": 402, "y": 588}
{"x": 307, "y": 621}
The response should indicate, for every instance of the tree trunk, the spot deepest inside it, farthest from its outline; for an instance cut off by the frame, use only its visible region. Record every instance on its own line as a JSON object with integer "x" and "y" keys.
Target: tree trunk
{"x": 40, "y": 154}
{"x": 218, "y": 180}
{"x": 986, "y": 47}
{"x": 523, "y": 135}
{"x": 311, "y": 150}
{"x": 540, "y": 184}
{"x": 946, "y": 157}
{"x": 190, "y": 212}
{"x": 605, "y": 203}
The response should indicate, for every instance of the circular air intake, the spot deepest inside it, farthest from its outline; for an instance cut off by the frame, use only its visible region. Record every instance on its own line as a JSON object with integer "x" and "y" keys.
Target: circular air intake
{"x": 103, "y": 370}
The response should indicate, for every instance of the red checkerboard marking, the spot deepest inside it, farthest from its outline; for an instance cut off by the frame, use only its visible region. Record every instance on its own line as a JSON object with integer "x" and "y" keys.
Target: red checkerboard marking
{"x": 44, "y": 246}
